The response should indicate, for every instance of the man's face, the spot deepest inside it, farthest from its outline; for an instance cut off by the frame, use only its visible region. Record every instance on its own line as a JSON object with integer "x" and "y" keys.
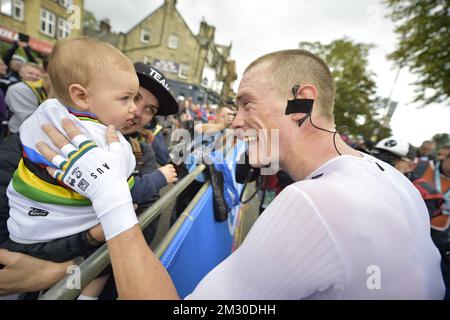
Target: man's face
{"x": 111, "y": 97}
{"x": 443, "y": 153}
{"x": 30, "y": 73}
{"x": 226, "y": 116}
{"x": 427, "y": 149}
{"x": 146, "y": 108}
{"x": 15, "y": 65}
{"x": 446, "y": 167}
{"x": 259, "y": 108}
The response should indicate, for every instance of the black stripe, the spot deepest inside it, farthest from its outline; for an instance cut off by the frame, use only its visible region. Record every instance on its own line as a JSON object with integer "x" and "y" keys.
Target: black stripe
{"x": 40, "y": 172}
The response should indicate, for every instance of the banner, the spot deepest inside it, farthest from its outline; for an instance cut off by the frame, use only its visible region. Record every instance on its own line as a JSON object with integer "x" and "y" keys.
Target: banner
{"x": 9, "y": 35}
{"x": 167, "y": 66}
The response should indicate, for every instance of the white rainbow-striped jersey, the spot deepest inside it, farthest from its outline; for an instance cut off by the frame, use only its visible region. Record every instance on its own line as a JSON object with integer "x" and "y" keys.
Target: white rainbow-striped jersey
{"x": 41, "y": 209}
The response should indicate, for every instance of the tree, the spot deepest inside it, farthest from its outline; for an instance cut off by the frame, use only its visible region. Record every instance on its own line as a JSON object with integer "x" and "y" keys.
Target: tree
{"x": 355, "y": 87}
{"x": 441, "y": 139}
{"x": 90, "y": 22}
{"x": 423, "y": 28}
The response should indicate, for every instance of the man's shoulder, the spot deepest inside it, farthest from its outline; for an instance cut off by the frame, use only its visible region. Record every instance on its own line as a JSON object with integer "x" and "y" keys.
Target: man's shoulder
{"x": 19, "y": 87}
{"x": 347, "y": 178}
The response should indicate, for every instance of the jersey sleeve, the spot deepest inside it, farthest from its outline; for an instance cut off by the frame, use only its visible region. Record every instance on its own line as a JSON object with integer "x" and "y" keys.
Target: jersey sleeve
{"x": 288, "y": 254}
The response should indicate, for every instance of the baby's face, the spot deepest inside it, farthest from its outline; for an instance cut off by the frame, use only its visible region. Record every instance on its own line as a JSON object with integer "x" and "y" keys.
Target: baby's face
{"x": 111, "y": 97}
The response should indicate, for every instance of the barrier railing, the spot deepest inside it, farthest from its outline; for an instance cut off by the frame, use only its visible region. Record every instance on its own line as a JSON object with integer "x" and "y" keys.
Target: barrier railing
{"x": 99, "y": 260}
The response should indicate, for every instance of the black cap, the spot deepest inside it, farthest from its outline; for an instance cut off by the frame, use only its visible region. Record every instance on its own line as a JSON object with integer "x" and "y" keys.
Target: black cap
{"x": 154, "y": 81}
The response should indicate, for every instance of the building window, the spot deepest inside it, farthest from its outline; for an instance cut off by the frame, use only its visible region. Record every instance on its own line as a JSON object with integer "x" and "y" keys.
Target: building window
{"x": 65, "y": 3}
{"x": 18, "y": 10}
{"x": 48, "y": 22}
{"x": 12, "y": 8}
{"x": 6, "y": 7}
{"x": 173, "y": 42}
{"x": 63, "y": 28}
{"x": 184, "y": 71}
{"x": 145, "y": 36}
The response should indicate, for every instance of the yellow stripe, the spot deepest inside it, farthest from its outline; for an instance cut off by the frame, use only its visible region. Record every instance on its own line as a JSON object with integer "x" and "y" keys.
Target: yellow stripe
{"x": 87, "y": 145}
{"x": 131, "y": 181}
{"x": 157, "y": 129}
{"x": 29, "y": 178}
{"x": 88, "y": 119}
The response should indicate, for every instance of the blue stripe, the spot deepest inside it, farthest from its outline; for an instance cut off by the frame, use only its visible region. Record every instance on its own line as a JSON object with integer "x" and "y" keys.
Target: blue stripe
{"x": 87, "y": 114}
{"x": 37, "y": 158}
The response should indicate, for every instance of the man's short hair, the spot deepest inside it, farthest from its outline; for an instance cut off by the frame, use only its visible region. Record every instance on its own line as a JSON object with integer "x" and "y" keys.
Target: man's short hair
{"x": 428, "y": 142}
{"x": 446, "y": 147}
{"x": 298, "y": 67}
{"x": 78, "y": 60}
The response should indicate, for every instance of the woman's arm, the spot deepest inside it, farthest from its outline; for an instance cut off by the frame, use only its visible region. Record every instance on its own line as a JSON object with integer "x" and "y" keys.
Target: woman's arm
{"x": 23, "y": 273}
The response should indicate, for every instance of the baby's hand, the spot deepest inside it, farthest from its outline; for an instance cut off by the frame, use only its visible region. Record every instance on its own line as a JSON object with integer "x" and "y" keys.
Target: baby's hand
{"x": 169, "y": 173}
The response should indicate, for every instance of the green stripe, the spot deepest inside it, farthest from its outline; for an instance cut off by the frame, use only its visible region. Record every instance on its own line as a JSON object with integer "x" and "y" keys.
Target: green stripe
{"x": 88, "y": 119}
{"x": 131, "y": 182}
{"x": 79, "y": 147}
{"x": 35, "y": 194}
{"x": 62, "y": 164}
{"x": 85, "y": 143}
{"x": 73, "y": 160}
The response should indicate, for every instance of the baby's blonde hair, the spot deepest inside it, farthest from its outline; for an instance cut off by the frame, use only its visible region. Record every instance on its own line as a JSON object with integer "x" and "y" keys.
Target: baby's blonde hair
{"x": 78, "y": 61}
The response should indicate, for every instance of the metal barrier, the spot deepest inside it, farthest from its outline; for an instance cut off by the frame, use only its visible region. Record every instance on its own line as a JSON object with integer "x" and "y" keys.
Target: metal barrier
{"x": 165, "y": 242}
{"x": 99, "y": 260}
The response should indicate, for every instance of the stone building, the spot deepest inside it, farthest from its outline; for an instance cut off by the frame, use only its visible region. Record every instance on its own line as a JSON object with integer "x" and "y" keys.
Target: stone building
{"x": 194, "y": 64}
{"x": 44, "y": 21}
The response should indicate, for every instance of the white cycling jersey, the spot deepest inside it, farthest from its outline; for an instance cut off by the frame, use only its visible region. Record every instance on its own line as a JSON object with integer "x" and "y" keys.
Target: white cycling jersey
{"x": 356, "y": 228}
{"x": 40, "y": 209}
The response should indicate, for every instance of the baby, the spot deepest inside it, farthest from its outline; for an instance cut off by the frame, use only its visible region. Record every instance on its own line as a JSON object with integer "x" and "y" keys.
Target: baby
{"x": 94, "y": 85}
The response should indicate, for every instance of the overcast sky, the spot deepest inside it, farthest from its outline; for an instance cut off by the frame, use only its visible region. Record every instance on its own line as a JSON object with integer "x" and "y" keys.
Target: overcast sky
{"x": 257, "y": 27}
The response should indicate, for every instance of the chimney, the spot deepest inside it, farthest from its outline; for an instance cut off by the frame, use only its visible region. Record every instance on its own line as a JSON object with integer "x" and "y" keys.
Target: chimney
{"x": 105, "y": 26}
{"x": 206, "y": 30}
{"x": 171, "y": 3}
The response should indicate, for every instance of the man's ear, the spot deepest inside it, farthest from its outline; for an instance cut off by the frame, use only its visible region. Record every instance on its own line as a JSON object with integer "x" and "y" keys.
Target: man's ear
{"x": 306, "y": 91}
{"x": 79, "y": 96}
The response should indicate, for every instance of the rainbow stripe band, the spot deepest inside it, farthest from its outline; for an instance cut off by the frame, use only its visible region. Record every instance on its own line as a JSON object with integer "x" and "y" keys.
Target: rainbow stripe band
{"x": 32, "y": 187}
{"x": 83, "y": 116}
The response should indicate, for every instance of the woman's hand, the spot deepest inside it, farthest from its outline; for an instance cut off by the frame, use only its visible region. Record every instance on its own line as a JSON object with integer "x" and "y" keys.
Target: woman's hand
{"x": 23, "y": 273}
{"x": 169, "y": 173}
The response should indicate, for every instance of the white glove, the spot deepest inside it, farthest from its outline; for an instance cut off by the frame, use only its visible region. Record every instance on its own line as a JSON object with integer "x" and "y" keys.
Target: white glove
{"x": 99, "y": 175}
